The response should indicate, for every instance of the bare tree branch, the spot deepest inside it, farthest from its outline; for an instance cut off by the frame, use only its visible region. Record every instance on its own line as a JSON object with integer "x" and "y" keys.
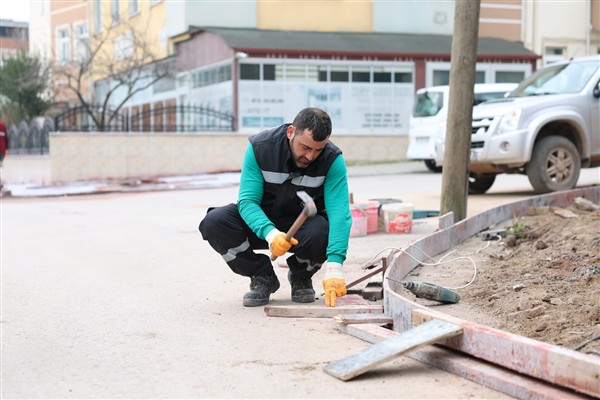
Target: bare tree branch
{"x": 121, "y": 63}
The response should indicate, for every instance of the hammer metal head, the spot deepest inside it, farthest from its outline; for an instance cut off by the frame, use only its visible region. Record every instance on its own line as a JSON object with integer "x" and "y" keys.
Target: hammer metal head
{"x": 310, "y": 209}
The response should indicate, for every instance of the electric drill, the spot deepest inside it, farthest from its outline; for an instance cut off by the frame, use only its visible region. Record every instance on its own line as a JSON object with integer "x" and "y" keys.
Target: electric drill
{"x": 431, "y": 292}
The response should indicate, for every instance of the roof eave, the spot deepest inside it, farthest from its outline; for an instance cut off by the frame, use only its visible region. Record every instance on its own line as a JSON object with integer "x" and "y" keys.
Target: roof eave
{"x": 353, "y": 54}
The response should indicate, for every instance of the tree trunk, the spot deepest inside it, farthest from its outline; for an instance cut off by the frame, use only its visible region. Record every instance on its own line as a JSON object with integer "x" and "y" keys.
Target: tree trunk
{"x": 460, "y": 109}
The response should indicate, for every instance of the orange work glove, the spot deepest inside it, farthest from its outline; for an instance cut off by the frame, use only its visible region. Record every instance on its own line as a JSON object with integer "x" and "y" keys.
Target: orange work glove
{"x": 277, "y": 243}
{"x": 334, "y": 283}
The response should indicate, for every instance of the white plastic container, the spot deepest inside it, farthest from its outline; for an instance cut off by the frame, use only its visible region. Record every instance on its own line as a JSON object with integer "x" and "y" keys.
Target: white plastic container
{"x": 397, "y": 217}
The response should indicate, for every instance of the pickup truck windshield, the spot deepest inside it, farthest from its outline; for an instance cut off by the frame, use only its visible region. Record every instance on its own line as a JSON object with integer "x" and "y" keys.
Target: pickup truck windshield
{"x": 558, "y": 79}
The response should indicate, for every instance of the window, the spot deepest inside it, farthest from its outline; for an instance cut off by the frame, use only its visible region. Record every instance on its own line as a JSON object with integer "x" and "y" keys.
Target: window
{"x": 322, "y": 74}
{"x": 134, "y": 7}
{"x": 479, "y": 76}
{"x": 361, "y": 74}
{"x": 268, "y": 72}
{"x": 553, "y": 54}
{"x": 81, "y": 42}
{"x": 441, "y": 78}
{"x": 97, "y": 16}
{"x": 381, "y": 76}
{"x": 164, "y": 85}
{"x": 211, "y": 76}
{"x": 509, "y": 76}
{"x": 224, "y": 73}
{"x": 339, "y": 74}
{"x": 558, "y": 79}
{"x": 428, "y": 104}
{"x": 250, "y": 71}
{"x": 403, "y": 77}
{"x": 123, "y": 46}
{"x": 253, "y": 72}
{"x": 554, "y": 51}
{"x": 63, "y": 45}
{"x": 114, "y": 11}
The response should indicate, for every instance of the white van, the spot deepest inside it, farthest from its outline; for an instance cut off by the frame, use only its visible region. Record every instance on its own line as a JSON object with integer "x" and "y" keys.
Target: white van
{"x": 427, "y": 129}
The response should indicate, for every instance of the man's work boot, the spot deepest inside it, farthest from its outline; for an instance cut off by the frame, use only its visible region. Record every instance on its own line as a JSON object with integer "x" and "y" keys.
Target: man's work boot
{"x": 302, "y": 289}
{"x": 261, "y": 288}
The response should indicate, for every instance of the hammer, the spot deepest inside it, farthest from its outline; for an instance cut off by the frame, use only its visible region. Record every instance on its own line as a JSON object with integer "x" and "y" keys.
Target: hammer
{"x": 309, "y": 210}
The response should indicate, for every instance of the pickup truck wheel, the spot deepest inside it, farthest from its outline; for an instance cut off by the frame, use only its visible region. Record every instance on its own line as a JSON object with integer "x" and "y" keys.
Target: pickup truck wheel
{"x": 555, "y": 165}
{"x": 432, "y": 166}
{"x": 479, "y": 184}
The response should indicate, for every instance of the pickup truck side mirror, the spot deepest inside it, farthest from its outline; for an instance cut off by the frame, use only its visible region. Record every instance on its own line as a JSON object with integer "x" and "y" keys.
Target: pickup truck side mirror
{"x": 596, "y": 91}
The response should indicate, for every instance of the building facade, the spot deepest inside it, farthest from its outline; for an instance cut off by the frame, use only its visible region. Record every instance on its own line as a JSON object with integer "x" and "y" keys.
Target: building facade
{"x": 39, "y": 30}
{"x": 261, "y": 61}
{"x": 561, "y": 30}
{"x": 365, "y": 90}
{"x": 14, "y": 37}
{"x": 366, "y": 81}
{"x": 69, "y": 47}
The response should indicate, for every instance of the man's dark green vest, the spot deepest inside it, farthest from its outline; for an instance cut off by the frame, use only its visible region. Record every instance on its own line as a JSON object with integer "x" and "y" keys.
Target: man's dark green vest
{"x": 283, "y": 179}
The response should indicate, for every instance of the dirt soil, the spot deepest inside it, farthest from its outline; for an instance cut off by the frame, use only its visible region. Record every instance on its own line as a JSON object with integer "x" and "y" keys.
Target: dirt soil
{"x": 541, "y": 281}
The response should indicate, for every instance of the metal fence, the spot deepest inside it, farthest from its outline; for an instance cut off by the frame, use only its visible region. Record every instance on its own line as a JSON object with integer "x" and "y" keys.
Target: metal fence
{"x": 160, "y": 118}
{"x": 90, "y": 119}
{"x": 30, "y": 138}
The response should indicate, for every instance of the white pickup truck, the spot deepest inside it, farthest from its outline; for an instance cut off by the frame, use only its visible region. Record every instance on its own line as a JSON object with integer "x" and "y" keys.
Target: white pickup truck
{"x": 427, "y": 128}
{"x": 547, "y": 128}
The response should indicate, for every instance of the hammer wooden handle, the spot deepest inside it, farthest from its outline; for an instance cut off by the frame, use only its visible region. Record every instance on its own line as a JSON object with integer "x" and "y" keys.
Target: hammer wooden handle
{"x": 293, "y": 229}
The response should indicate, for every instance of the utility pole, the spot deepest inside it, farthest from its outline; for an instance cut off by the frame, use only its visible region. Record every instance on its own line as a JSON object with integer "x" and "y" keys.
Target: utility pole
{"x": 457, "y": 150}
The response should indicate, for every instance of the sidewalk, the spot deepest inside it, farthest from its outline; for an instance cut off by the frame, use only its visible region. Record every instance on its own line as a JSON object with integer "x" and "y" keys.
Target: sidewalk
{"x": 183, "y": 182}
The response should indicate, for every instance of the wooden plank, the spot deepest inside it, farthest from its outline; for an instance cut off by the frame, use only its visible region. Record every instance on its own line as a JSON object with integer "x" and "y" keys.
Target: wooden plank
{"x": 304, "y": 311}
{"x": 371, "y": 357}
{"x": 368, "y": 332}
{"x": 363, "y": 319}
{"x": 554, "y": 364}
{"x": 501, "y": 379}
{"x": 347, "y": 302}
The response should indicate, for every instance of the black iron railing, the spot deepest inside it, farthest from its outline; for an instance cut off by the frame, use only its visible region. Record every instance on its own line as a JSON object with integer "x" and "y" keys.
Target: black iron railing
{"x": 160, "y": 118}
{"x": 30, "y": 138}
{"x": 90, "y": 119}
{"x": 185, "y": 118}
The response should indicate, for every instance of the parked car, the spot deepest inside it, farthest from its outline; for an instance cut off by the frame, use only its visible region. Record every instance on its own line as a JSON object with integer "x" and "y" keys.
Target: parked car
{"x": 548, "y": 128}
{"x": 427, "y": 128}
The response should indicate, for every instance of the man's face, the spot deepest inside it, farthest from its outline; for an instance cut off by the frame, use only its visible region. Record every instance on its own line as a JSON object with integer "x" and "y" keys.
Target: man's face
{"x": 304, "y": 149}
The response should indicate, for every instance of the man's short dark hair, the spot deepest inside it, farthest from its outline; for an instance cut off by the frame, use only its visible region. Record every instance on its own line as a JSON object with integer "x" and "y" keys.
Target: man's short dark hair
{"x": 316, "y": 120}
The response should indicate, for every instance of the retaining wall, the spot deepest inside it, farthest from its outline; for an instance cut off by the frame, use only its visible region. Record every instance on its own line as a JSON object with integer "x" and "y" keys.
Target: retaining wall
{"x": 126, "y": 155}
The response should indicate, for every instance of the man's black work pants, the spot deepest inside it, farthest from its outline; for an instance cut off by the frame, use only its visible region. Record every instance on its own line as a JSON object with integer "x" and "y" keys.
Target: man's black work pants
{"x": 227, "y": 233}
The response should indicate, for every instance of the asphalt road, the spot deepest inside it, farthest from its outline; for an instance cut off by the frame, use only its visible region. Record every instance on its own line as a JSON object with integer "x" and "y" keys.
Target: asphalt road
{"x": 117, "y": 296}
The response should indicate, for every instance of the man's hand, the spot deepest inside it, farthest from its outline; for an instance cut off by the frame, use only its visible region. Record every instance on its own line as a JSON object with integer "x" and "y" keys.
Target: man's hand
{"x": 334, "y": 283}
{"x": 277, "y": 243}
